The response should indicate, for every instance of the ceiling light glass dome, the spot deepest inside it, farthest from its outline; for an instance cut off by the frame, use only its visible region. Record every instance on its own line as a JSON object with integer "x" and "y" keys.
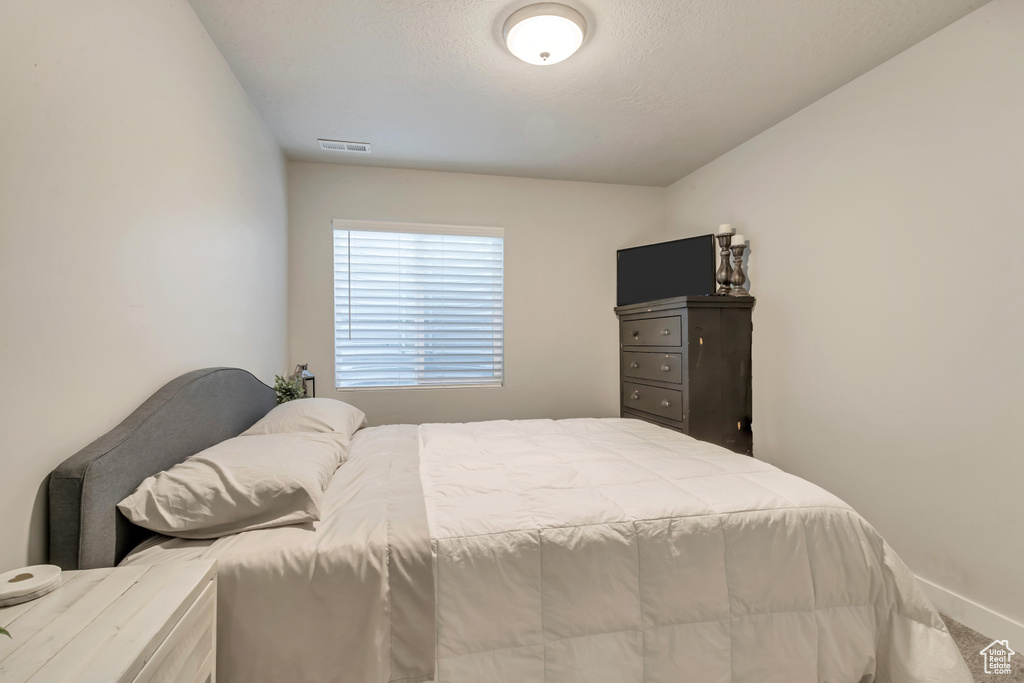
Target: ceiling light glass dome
{"x": 545, "y": 33}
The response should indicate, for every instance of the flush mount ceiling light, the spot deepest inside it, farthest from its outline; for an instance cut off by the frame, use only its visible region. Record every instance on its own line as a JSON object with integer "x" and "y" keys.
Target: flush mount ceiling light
{"x": 545, "y": 33}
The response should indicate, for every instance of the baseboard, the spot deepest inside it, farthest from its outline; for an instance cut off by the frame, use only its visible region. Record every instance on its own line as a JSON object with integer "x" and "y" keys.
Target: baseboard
{"x": 983, "y": 620}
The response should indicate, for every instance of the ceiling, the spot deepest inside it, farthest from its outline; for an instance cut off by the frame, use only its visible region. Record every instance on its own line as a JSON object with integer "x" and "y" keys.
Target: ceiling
{"x": 658, "y": 89}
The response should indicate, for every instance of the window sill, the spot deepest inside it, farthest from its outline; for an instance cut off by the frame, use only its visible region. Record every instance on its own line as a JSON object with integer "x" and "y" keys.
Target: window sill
{"x": 419, "y": 387}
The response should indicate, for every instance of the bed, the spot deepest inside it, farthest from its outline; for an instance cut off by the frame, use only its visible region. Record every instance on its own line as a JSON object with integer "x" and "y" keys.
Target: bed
{"x": 534, "y": 550}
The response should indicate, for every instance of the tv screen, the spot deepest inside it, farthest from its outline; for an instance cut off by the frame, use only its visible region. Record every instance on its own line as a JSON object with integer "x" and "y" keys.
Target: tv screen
{"x": 668, "y": 269}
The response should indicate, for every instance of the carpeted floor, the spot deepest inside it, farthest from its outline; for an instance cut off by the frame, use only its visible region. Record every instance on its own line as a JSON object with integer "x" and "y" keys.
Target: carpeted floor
{"x": 971, "y": 644}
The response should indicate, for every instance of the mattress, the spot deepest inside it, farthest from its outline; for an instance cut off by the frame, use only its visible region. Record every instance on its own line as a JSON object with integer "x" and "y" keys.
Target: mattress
{"x": 574, "y": 550}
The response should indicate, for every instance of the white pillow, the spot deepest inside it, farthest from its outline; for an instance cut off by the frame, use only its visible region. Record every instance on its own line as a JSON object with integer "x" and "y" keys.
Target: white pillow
{"x": 310, "y": 415}
{"x": 239, "y": 484}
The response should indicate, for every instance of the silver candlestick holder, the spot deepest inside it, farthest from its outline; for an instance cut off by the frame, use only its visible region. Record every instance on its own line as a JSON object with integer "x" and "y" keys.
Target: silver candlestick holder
{"x": 724, "y": 275}
{"x": 738, "y": 276}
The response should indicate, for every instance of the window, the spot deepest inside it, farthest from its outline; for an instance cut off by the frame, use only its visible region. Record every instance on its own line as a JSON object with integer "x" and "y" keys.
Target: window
{"x": 418, "y": 305}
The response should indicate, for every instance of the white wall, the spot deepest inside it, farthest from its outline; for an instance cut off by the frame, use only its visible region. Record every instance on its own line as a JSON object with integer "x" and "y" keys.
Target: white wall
{"x": 886, "y": 221}
{"x": 142, "y": 230}
{"x": 561, "y": 348}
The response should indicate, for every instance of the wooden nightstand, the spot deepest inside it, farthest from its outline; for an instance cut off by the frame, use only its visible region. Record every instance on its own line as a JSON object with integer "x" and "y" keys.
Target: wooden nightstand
{"x": 155, "y": 623}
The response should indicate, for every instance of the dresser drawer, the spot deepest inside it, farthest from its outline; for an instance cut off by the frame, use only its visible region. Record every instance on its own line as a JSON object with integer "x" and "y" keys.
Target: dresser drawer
{"x": 651, "y": 332}
{"x": 664, "y": 367}
{"x": 665, "y": 402}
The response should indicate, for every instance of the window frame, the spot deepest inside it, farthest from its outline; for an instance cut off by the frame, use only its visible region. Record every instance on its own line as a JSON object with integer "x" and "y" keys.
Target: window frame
{"x": 428, "y": 229}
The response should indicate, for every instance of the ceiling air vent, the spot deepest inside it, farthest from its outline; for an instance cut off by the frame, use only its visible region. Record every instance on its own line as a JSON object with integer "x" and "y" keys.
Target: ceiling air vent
{"x": 343, "y": 146}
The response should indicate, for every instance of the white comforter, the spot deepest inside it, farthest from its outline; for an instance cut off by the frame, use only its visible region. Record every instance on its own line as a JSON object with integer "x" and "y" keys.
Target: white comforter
{"x": 614, "y": 550}
{"x": 578, "y": 550}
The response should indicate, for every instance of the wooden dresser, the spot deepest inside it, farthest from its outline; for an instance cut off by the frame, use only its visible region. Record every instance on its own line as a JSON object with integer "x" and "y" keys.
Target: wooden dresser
{"x": 134, "y": 623}
{"x": 684, "y": 363}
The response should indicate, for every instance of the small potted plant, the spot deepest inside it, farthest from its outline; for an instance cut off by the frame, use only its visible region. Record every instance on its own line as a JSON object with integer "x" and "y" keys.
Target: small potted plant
{"x": 288, "y": 389}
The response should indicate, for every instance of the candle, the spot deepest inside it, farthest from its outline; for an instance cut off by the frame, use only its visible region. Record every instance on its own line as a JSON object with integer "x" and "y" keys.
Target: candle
{"x": 737, "y": 240}
{"x": 726, "y": 229}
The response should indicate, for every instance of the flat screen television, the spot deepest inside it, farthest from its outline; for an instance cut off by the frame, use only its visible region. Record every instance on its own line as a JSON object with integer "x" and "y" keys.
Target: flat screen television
{"x": 667, "y": 269}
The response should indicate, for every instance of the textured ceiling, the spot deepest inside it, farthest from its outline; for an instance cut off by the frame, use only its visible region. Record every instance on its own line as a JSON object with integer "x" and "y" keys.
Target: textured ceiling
{"x": 659, "y": 88}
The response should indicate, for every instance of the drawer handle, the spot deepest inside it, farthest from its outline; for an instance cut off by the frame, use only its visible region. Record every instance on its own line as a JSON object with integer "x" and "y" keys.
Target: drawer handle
{"x": 665, "y": 332}
{"x": 634, "y": 365}
{"x": 665, "y": 368}
{"x": 635, "y": 396}
{"x": 636, "y": 334}
{"x": 665, "y": 403}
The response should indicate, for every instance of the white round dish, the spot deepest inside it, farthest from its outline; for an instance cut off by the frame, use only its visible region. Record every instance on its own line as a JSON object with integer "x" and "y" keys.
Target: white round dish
{"x": 28, "y": 583}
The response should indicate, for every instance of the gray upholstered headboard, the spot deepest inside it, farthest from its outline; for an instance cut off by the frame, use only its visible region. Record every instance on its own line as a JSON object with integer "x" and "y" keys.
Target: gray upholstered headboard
{"x": 189, "y": 414}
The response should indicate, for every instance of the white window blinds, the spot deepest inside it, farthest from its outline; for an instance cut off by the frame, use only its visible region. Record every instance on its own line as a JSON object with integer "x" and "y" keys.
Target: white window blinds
{"x": 416, "y": 308}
